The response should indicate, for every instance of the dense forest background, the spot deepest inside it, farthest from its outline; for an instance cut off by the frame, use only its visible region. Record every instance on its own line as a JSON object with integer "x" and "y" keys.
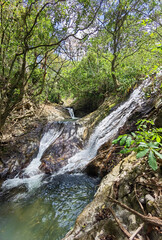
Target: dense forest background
{"x": 80, "y": 49}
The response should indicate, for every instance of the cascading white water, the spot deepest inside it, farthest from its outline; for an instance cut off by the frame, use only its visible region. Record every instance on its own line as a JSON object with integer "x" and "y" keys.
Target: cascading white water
{"x": 106, "y": 130}
{"x": 32, "y": 174}
{"x": 71, "y": 112}
{"x": 48, "y": 138}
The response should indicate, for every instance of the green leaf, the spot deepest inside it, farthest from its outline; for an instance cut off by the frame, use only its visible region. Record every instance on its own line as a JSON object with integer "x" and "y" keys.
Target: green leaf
{"x": 158, "y": 139}
{"x": 157, "y": 153}
{"x": 125, "y": 150}
{"x": 117, "y": 140}
{"x": 153, "y": 137}
{"x": 152, "y": 161}
{"x": 122, "y": 141}
{"x": 133, "y": 134}
{"x": 143, "y": 144}
{"x": 152, "y": 145}
{"x": 142, "y": 153}
{"x": 128, "y": 141}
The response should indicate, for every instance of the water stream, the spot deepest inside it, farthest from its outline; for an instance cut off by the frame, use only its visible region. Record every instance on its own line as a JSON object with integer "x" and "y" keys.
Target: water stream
{"x": 36, "y": 207}
{"x": 107, "y": 129}
{"x": 71, "y": 112}
{"x": 48, "y": 212}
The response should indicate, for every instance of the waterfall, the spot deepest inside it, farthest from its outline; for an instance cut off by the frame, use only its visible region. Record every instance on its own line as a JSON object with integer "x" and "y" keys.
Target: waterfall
{"x": 32, "y": 176}
{"x": 47, "y": 139}
{"x": 71, "y": 112}
{"x": 106, "y": 130}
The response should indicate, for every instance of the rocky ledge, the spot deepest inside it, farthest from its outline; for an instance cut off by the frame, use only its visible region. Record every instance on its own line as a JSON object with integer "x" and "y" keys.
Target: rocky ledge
{"x": 126, "y": 204}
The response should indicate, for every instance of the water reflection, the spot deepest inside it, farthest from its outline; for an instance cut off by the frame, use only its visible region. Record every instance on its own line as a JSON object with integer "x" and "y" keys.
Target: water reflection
{"x": 49, "y": 212}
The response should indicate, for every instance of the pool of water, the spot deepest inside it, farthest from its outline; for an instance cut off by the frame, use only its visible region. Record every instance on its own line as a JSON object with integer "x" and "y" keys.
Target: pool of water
{"x": 47, "y": 213}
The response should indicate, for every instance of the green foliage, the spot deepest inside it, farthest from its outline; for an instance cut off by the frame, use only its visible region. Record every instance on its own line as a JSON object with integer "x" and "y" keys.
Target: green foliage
{"x": 29, "y": 32}
{"x": 33, "y": 33}
{"x": 146, "y": 141}
{"x": 90, "y": 76}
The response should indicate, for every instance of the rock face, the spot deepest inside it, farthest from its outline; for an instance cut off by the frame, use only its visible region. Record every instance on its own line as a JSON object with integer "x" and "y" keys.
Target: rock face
{"x": 20, "y": 143}
{"x": 130, "y": 183}
{"x": 54, "y": 112}
{"x": 67, "y": 144}
{"x": 18, "y": 152}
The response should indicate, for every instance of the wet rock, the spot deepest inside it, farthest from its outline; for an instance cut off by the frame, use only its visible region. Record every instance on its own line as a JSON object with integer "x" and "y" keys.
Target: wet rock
{"x": 4, "y": 173}
{"x": 104, "y": 162}
{"x": 66, "y": 145}
{"x": 92, "y": 119}
{"x": 16, "y": 154}
{"x": 50, "y": 166}
{"x": 20, "y": 145}
{"x": 54, "y": 112}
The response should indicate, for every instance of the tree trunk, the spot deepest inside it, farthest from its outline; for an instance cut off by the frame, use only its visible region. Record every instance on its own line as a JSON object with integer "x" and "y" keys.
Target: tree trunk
{"x": 115, "y": 81}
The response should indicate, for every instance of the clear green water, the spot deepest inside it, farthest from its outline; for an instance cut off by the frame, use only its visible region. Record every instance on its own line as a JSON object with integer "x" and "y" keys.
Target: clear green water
{"x": 49, "y": 212}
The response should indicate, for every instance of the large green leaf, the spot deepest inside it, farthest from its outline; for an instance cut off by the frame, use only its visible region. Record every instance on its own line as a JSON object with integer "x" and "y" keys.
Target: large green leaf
{"x": 153, "y": 145}
{"x": 143, "y": 144}
{"x": 157, "y": 153}
{"x": 152, "y": 161}
{"x": 142, "y": 153}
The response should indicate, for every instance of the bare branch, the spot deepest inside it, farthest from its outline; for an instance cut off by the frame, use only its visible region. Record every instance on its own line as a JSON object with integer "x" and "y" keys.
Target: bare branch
{"x": 127, "y": 234}
{"x": 137, "y": 231}
{"x": 148, "y": 219}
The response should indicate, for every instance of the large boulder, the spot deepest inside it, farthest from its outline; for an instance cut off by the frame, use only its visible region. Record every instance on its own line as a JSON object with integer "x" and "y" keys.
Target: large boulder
{"x": 130, "y": 183}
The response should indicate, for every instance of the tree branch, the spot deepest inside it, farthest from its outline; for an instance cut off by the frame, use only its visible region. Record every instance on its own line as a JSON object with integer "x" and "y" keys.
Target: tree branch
{"x": 137, "y": 231}
{"x": 127, "y": 234}
{"x": 148, "y": 219}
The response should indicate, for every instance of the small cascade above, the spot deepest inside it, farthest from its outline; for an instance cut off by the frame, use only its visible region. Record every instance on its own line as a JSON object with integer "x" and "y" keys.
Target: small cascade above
{"x": 71, "y": 112}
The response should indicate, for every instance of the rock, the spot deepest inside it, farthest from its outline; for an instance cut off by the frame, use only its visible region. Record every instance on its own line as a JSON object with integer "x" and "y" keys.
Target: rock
{"x": 158, "y": 120}
{"x": 132, "y": 221}
{"x": 96, "y": 221}
{"x": 20, "y": 144}
{"x": 150, "y": 203}
{"x": 149, "y": 198}
{"x": 54, "y": 112}
{"x": 4, "y": 173}
{"x": 67, "y": 144}
{"x": 107, "y": 157}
